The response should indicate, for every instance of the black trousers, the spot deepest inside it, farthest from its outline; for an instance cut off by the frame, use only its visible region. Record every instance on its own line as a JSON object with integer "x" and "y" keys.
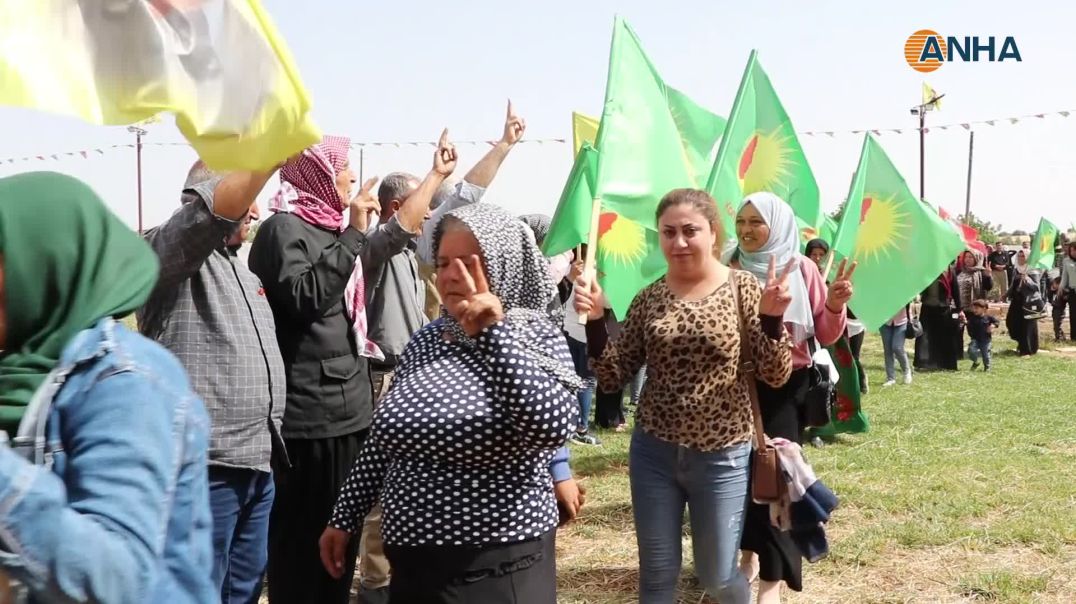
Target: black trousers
{"x": 779, "y": 558}
{"x": 609, "y": 409}
{"x": 517, "y": 573}
{"x": 305, "y": 495}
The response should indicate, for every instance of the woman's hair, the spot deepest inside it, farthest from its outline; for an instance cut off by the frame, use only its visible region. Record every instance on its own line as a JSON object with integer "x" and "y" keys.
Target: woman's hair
{"x": 816, "y": 244}
{"x": 701, "y": 202}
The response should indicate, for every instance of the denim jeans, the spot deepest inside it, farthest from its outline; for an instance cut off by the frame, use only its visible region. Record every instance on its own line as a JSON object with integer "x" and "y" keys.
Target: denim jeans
{"x": 893, "y": 337}
{"x": 977, "y": 349}
{"x": 664, "y": 477}
{"x": 586, "y": 397}
{"x": 241, "y": 501}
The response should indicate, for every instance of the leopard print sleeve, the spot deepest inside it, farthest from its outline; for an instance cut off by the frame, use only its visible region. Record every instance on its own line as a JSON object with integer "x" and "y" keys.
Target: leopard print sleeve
{"x": 623, "y": 357}
{"x": 773, "y": 358}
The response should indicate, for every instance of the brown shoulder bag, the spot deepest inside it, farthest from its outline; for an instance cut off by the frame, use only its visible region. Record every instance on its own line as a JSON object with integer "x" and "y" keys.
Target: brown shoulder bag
{"x": 766, "y": 480}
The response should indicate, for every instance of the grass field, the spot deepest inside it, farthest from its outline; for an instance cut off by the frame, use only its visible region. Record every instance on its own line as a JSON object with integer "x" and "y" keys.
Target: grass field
{"x": 963, "y": 491}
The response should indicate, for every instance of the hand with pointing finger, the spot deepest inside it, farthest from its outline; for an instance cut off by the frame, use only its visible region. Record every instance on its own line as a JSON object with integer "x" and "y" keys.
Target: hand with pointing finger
{"x": 775, "y": 295}
{"x": 514, "y": 127}
{"x": 477, "y": 308}
{"x": 363, "y": 205}
{"x": 840, "y": 290}
{"x": 444, "y": 159}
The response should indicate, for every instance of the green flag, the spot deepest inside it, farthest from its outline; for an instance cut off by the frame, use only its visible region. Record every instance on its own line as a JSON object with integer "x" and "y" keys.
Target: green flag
{"x": 848, "y": 417}
{"x": 828, "y": 231}
{"x": 571, "y": 222}
{"x": 629, "y": 256}
{"x": 760, "y": 152}
{"x": 900, "y": 243}
{"x": 1043, "y": 246}
{"x": 652, "y": 138}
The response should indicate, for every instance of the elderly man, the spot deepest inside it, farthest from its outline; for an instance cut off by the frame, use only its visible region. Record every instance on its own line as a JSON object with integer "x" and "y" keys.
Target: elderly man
{"x": 1000, "y": 261}
{"x": 211, "y": 312}
{"x": 396, "y": 301}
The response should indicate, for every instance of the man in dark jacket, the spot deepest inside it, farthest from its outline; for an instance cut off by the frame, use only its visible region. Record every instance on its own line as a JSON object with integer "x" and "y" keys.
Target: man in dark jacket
{"x": 306, "y": 268}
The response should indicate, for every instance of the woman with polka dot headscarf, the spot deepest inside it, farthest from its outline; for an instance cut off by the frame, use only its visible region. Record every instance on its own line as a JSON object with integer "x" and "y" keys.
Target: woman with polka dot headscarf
{"x": 459, "y": 452}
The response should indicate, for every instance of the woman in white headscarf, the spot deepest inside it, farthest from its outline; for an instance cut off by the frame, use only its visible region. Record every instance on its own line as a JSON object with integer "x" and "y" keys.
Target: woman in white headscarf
{"x": 766, "y": 231}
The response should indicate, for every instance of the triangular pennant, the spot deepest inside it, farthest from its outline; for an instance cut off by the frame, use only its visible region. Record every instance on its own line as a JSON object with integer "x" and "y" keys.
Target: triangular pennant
{"x": 1013, "y": 120}
{"x": 1064, "y": 113}
{"x": 966, "y": 126}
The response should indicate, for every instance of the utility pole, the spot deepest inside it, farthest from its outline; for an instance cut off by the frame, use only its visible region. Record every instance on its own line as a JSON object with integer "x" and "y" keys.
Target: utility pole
{"x": 967, "y": 202}
{"x": 928, "y": 104}
{"x": 139, "y": 133}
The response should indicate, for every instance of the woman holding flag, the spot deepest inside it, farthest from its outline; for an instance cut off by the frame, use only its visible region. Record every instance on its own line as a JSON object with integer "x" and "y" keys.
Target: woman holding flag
{"x": 691, "y": 443}
{"x": 767, "y": 234}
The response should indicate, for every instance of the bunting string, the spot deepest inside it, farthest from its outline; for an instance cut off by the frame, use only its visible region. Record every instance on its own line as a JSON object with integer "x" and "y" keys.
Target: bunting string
{"x": 97, "y": 151}
{"x": 1001, "y": 121}
{"x": 1012, "y": 121}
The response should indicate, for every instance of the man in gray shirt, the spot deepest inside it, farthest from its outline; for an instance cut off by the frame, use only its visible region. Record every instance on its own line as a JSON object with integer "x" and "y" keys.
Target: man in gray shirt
{"x": 396, "y": 300}
{"x": 212, "y": 313}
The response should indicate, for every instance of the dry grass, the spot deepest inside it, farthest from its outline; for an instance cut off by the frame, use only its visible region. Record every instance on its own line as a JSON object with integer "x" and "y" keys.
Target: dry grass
{"x": 964, "y": 491}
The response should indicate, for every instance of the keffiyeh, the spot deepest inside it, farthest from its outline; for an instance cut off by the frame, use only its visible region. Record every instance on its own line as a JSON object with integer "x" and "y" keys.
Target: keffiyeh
{"x": 308, "y": 186}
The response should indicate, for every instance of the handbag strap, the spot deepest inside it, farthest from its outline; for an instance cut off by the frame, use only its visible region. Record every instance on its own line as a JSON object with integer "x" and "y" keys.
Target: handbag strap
{"x": 747, "y": 365}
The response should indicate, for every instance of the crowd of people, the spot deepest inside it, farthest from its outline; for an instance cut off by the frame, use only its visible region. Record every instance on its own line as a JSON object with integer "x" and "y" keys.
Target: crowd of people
{"x": 388, "y": 385}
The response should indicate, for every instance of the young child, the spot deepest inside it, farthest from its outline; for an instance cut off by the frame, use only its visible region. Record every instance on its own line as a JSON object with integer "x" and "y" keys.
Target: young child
{"x": 980, "y": 330}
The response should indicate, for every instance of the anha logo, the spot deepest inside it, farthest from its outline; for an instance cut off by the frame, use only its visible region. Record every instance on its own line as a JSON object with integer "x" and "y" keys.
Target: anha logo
{"x": 926, "y": 50}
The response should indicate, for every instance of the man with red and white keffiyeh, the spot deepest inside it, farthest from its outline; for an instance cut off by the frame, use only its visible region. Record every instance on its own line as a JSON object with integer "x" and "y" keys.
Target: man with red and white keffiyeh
{"x": 310, "y": 256}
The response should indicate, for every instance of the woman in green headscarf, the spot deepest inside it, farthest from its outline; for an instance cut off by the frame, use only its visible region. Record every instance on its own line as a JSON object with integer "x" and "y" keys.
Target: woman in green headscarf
{"x": 103, "y": 424}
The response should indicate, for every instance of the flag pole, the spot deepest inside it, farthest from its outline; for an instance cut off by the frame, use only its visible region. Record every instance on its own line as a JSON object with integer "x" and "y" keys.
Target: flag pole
{"x": 829, "y": 264}
{"x": 589, "y": 268}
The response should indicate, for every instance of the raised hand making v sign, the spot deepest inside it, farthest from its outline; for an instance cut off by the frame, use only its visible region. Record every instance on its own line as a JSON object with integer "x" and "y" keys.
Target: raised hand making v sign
{"x": 474, "y": 306}
{"x": 775, "y": 296}
{"x": 840, "y": 290}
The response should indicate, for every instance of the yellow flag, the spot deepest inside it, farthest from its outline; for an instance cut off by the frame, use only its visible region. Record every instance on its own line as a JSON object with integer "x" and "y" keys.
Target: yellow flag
{"x": 584, "y": 130}
{"x": 219, "y": 65}
{"x": 931, "y": 99}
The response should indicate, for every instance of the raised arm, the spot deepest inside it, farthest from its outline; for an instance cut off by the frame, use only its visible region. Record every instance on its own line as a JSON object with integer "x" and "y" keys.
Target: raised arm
{"x": 211, "y": 212}
{"x": 483, "y": 173}
{"x": 614, "y": 362}
{"x": 417, "y": 205}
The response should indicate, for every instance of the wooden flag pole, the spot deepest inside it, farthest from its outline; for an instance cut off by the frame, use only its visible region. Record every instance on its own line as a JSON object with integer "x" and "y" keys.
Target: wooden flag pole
{"x": 589, "y": 269}
{"x": 829, "y": 265}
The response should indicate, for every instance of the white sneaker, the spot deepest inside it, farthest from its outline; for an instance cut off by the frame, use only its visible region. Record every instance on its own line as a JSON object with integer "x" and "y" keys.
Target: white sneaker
{"x": 889, "y": 383}
{"x": 908, "y": 378}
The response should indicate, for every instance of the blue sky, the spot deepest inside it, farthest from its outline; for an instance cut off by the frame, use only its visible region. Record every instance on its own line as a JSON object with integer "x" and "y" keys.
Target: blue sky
{"x": 401, "y": 71}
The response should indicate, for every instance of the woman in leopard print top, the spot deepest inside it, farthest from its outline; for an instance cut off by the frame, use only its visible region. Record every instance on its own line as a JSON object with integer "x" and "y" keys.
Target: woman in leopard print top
{"x": 691, "y": 443}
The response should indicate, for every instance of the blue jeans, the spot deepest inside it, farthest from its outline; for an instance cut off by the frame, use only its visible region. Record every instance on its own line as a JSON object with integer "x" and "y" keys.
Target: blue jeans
{"x": 586, "y": 397}
{"x": 664, "y": 477}
{"x": 893, "y": 337}
{"x": 241, "y": 501}
{"x": 977, "y": 349}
